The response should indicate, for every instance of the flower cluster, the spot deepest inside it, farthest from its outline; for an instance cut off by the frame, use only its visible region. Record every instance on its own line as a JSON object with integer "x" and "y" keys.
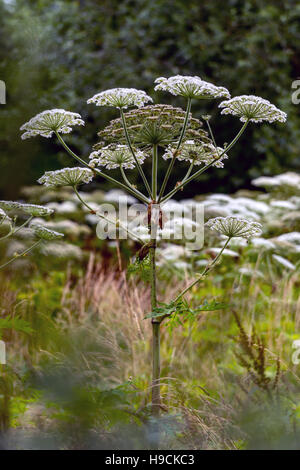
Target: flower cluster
{"x": 44, "y": 233}
{"x": 115, "y": 156}
{"x": 158, "y": 124}
{"x": 252, "y": 108}
{"x": 120, "y": 98}
{"x": 197, "y": 153}
{"x": 50, "y": 121}
{"x": 61, "y": 250}
{"x": 235, "y": 227}
{"x": 190, "y": 87}
{"x": 285, "y": 180}
{"x": 66, "y": 177}
{"x": 34, "y": 210}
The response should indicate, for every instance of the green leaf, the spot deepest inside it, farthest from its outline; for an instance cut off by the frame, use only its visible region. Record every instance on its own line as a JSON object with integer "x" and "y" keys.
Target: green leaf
{"x": 141, "y": 268}
{"x": 166, "y": 309}
{"x": 15, "y": 323}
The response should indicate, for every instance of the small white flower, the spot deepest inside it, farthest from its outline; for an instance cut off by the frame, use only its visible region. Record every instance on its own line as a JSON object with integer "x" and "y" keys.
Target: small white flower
{"x": 10, "y": 206}
{"x": 285, "y": 180}
{"x": 118, "y": 156}
{"x": 181, "y": 265}
{"x": 197, "y": 153}
{"x": 259, "y": 207}
{"x": 190, "y": 87}
{"x": 118, "y": 196}
{"x": 64, "y": 251}
{"x": 44, "y": 233}
{"x": 291, "y": 237}
{"x": 235, "y": 227}
{"x": 31, "y": 209}
{"x": 66, "y": 177}
{"x": 141, "y": 232}
{"x": 50, "y": 121}
{"x": 65, "y": 207}
{"x": 289, "y": 179}
{"x": 252, "y": 108}
{"x": 245, "y": 271}
{"x": 120, "y": 98}
{"x": 285, "y": 205}
{"x": 225, "y": 252}
{"x": 284, "y": 262}
{"x": 265, "y": 181}
{"x": 36, "y": 210}
{"x": 262, "y": 243}
{"x": 290, "y": 241}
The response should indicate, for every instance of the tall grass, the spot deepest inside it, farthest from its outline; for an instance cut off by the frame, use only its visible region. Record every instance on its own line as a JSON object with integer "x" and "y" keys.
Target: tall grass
{"x": 97, "y": 335}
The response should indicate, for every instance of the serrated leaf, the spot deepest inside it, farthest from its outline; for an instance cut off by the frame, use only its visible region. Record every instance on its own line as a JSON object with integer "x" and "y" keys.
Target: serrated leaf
{"x": 166, "y": 309}
{"x": 141, "y": 268}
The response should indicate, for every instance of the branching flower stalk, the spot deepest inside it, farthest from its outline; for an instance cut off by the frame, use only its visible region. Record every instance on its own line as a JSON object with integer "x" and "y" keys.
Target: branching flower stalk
{"x": 101, "y": 216}
{"x": 115, "y": 182}
{"x": 206, "y": 167}
{"x": 145, "y": 131}
{"x": 15, "y": 230}
{"x": 128, "y": 140}
{"x": 171, "y": 165}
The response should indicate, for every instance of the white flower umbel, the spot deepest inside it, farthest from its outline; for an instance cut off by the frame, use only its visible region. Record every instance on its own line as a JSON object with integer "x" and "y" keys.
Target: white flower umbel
{"x": 197, "y": 153}
{"x": 284, "y": 180}
{"x": 61, "y": 250}
{"x": 118, "y": 156}
{"x": 190, "y": 87}
{"x": 44, "y": 233}
{"x": 50, "y": 121}
{"x": 235, "y": 227}
{"x": 284, "y": 262}
{"x": 252, "y": 108}
{"x": 36, "y": 210}
{"x": 120, "y": 98}
{"x": 66, "y": 177}
{"x": 31, "y": 209}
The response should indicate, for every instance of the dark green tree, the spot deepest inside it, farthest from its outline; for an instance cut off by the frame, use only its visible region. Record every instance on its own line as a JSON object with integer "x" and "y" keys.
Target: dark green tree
{"x": 59, "y": 53}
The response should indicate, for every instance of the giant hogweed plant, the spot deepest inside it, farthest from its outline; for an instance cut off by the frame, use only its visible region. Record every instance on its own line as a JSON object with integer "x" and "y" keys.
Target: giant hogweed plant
{"x": 154, "y": 131}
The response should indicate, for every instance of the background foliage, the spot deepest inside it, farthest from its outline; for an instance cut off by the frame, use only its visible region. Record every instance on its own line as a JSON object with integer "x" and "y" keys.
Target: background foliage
{"x": 59, "y": 53}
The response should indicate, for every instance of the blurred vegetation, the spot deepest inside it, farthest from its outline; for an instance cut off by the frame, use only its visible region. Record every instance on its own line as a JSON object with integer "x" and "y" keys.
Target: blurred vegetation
{"x": 81, "y": 378}
{"x": 59, "y": 53}
{"x": 78, "y": 374}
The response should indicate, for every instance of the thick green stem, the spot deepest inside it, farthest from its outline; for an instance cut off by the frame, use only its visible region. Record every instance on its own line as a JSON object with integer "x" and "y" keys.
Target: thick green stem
{"x": 128, "y": 140}
{"x": 154, "y": 171}
{"x": 198, "y": 173}
{"x": 155, "y": 338}
{"x": 170, "y": 168}
{"x": 132, "y": 191}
